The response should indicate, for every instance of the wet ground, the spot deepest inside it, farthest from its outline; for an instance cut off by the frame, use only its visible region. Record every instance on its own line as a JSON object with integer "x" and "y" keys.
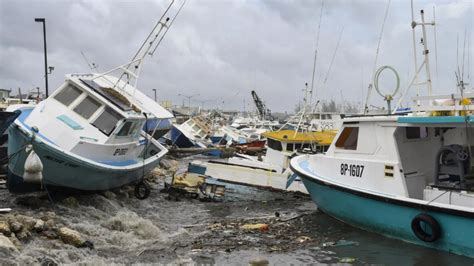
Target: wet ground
{"x": 126, "y": 230}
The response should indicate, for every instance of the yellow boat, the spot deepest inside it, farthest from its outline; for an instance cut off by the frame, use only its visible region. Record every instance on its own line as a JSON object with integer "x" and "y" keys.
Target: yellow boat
{"x": 293, "y": 140}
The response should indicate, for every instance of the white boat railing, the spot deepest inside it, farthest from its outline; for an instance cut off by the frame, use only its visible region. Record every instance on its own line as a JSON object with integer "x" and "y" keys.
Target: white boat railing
{"x": 456, "y": 104}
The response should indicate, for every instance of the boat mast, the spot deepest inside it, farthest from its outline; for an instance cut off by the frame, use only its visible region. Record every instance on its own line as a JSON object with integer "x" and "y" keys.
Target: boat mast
{"x": 414, "y": 44}
{"x": 131, "y": 71}
{"x": 426, "y": 51}
{"x": 426, "y": 62}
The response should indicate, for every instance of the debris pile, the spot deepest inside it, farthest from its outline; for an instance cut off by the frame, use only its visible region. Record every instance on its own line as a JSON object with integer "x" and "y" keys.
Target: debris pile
{"x": 269, "y": 233}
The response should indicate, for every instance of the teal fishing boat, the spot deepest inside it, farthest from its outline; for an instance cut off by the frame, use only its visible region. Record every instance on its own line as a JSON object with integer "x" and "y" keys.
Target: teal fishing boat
{"x": 406, "y": 176}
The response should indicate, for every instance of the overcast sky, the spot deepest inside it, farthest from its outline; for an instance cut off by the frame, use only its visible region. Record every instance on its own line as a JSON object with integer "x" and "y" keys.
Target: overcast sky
{"x": 223, "y": 49}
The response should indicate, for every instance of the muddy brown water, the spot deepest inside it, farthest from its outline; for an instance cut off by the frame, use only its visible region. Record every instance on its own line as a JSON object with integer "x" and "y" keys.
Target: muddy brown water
{"x": 125, "y": 230}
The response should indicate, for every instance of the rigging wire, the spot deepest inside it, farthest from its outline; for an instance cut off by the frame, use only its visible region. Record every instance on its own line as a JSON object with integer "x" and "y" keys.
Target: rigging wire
{"x": 316, "y": 50}
{"x": 369, "y": 90}
{"x": 333, "y": 57}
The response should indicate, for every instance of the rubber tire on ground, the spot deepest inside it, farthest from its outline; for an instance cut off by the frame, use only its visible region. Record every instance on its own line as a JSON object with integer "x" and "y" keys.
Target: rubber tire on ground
{"x": 420, "y": 233}
{"x": 142, "y": 190}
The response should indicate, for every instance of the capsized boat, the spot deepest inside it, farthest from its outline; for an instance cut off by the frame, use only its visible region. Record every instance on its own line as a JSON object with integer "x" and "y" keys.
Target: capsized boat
{"x": 194, "y": 132}
{"x": 88, "y": 134}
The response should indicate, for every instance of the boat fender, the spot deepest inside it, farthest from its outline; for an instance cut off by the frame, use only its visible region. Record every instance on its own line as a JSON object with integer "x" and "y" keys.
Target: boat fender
{"x": 33, "y": 167}
{"x": 142, "y": 190}
{"x": 421, "y": 233}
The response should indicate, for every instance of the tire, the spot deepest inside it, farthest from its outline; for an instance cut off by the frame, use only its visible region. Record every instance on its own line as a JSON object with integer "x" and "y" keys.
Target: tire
{"x": 142, "y": 190}
{"x": 422, "y": 234}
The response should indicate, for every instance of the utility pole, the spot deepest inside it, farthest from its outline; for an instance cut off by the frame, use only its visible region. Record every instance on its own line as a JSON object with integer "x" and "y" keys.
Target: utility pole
{"x": 43, "y": 20}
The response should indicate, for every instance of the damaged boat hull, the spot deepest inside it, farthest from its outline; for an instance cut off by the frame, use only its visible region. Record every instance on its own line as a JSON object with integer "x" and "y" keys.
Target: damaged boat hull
{"x": 392, "y": 218}
{"x": 63, "y": 170}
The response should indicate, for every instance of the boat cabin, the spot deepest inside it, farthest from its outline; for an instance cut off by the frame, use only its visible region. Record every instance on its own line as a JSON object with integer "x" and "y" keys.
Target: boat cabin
{"x": 418, "y": 156}
{"x": 89, "y": 118}
{"x": 198, "y": 126}
{"x": 284, "y": 144}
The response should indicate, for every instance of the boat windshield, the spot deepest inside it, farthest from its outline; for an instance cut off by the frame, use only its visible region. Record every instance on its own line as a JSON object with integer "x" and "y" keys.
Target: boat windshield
{"x": 107, "y": 121}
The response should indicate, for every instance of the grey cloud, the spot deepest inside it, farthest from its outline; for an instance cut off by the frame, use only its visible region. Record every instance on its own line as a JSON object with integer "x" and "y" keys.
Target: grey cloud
{"x": 224, "y": 49}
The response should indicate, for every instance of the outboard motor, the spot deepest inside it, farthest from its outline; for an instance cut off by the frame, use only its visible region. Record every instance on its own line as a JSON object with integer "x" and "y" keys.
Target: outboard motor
{"x": 452, "y": 164}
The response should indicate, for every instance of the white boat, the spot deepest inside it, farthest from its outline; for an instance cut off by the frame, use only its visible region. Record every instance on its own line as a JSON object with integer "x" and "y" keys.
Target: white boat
{"x": 195, "y": 132}
{"x": 251, "y": 122}
{"x": 88, "y": 134}
{"x": 270, "y": 171}
{"x": 323, "y": 121}
{"x": 408, "y": 177}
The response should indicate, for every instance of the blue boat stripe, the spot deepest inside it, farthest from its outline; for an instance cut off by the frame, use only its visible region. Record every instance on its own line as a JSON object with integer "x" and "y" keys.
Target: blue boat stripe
{"x": 421, "y": 207}
{"x": 24, "y": 114}
{"x": 435, "y": 119}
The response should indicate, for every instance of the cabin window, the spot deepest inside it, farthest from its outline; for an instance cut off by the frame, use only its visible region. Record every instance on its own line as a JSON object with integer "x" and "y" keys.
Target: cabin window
{"x": 136, "y": 129}
{"x": 273, "y": 144}
{"x": 348, "y": 138}
{"x": 67, "y": 95}
{"x": 125, "y": 130}
{"x": 87, "y": 107}
{"x": 289, "y": 146}
{"x": 107, "y": 120}
{"x": 196, "y": 128}
{"x": 416, "y": 132}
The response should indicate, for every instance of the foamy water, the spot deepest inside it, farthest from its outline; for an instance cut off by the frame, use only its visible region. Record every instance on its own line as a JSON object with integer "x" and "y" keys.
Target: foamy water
{"x": 126, "y": 230}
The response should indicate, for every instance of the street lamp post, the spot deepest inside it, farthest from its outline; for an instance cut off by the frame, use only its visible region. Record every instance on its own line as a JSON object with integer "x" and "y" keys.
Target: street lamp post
{"x": 154, "y": 90}
{"x": 188, "y": 97}
{"x": 42, "y": 20}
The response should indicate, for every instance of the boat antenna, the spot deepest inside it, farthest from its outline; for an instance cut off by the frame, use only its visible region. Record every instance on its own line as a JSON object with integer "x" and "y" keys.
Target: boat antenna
{"x": 92, "y": 65}
{"x": 369, "y": 90}
{"x": 463, "y": 54}
{"x": 316, "y": 49}
{"x": 131, "y": 70}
